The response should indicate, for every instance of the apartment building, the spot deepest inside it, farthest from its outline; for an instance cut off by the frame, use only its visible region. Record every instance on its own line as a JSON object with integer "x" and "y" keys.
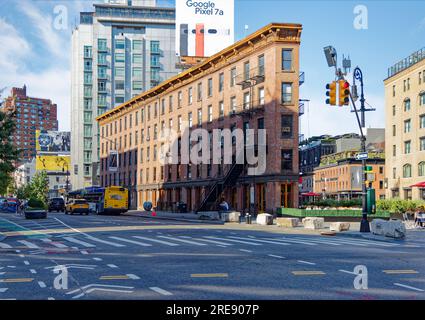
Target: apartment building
{"x": 31, "y": 114}
{"x": 405, "y": 127}
{"x": 119, "y": 50}
{"x": 253, "y": 84}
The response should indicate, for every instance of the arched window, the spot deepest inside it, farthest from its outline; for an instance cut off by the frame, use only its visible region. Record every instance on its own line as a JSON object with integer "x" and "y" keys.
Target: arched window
{"x": 407, "y": 171}
{"x": 421, "y": 169}
{"x": 407, "y": 104}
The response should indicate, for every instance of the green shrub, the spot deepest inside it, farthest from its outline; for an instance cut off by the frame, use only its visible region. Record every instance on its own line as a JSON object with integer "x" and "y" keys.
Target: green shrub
{"x": 399, "y": 205}
{"x": 335, "y": 203}
{"x": 36, "y": 204}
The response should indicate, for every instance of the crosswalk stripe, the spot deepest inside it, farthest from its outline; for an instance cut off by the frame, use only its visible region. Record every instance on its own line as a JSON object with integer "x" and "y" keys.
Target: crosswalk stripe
{"x": 320, "y": 241}
{"x": 161, "y": 291}
{"x": 5, "y": 246}
{"x": 233, "y": 240}
{"x": 105, "y": 242}
{"x": 293, "y": 241}
{"x": 77, "y": 241}
{"x": 264, "y": 241}
{"x": 215, "y": 242}
{"x": 184, "y": 241}
{"x": 29, "y": 244}
{"x": 55, "y": 244}
{"x": 131, "y": 241}
{"x": 158, "y": 241}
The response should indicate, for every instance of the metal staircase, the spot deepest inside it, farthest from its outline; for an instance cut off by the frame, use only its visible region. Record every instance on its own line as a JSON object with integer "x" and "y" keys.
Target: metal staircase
{"x": 228, "y": 181}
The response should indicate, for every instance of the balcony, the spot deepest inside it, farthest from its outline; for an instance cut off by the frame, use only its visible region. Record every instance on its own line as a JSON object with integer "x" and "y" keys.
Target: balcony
{"x": 301, "y": 108}
{"x": 255, "y": 76}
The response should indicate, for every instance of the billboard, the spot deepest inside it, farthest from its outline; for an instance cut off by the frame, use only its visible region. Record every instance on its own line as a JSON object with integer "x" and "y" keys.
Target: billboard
{"x": 204, "y": 28}
{"x": 53, "y": 141}
{"x": 53, "y": 163}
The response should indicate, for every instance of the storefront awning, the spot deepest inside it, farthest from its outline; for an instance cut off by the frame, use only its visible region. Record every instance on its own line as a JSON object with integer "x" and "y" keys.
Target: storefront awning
{"x": 419, "y": 185}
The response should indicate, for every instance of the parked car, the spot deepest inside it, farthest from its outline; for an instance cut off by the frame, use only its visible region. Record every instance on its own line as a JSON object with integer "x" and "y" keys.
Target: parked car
{"x": 77, "y": 206}
{"x": 56, "y": 204}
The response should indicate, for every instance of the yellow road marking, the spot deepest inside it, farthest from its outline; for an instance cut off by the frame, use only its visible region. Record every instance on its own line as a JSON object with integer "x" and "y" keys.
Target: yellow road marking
{"x": 17, "y": 280}
{"x": 124, "y": 277}
{"x": 209, "y": 275}
{"x": 308, "y": 273}
{"x": 400, "y": 271}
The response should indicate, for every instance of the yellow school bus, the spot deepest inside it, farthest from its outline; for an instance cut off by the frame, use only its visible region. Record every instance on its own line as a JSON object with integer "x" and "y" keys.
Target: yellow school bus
{"x": 108, "y": 200}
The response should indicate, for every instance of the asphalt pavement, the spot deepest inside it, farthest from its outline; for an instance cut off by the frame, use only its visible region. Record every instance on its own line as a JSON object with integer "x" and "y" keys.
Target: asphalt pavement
{"x": 132, "y": 258}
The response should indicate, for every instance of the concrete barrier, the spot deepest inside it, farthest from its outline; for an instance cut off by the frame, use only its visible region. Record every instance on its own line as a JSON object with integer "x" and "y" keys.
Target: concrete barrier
{"x": 209, "y": 215}
{"x": 339, "y": 226}
{"x": 288, "y": 222}
{"x": 313, "y": 223}
{"x": 264, "y": 219}
{"x": 393, "y": 228}
{"x": 232, "y": 216}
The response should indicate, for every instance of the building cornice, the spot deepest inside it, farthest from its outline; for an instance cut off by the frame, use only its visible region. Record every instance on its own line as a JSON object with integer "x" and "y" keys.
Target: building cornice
{"x": 278, "y": 32}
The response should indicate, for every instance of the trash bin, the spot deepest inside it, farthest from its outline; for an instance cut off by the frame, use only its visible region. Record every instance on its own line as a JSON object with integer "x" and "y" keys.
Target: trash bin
{"x": 147, "y": 206}
{"x": 182, "y": 207}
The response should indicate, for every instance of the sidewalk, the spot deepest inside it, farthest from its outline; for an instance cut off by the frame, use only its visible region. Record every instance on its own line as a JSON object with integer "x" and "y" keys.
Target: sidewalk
{"x": 187, "y": 217}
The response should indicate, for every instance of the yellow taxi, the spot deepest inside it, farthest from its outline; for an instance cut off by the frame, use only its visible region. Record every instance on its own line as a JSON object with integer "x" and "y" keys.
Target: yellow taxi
{"x": 77, "y": 206}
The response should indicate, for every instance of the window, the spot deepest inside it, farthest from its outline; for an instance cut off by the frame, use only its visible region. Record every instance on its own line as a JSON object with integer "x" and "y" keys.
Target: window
{"x": 120, "y": 72}
{"x": 221, "y": 109}
{"x": 421, "y": 169}
{"x": 286, "y": 59}
{"x": 286, "y": 126}
{"x": 155, "y": 110}
{"x": 394, "y": 110}
{"x": 394, "y": 130}
{"x": 101, "y": 72}
{"x": 220, "y": 82}
{"x": 246, "y": 71}
{"x": 420, "y": 77}
{"x": 394, "y": 150}
{"x": 179, "y": 123}
{"x": 232, "y": 105}
{"x": 393, "y": 90}
{"x": 232, "y": 77}
{"x": 137, "y": 73}
{"x": 261, "y": 65}
{"x": 210, "y": 87}
{"x": 170, "y": 104}
{"x": 407, "y": 126}
{"x": 261, "y": 96}
{"x": 120, "y": 44}
{"x": 137, "y": 45}
{"x": 101, "y": 44}
{"x": 199, "y": 117}
{"x": 190, "y": 95}
{"x": 119, "y": 99}
{"x": 137, "y": 85}
{"x": 155, "y": 47}
{"x": 137, "y": 58}
{"x": 407, "y": 171}
{"x": 407, "y": 105}
{"x": 155, "y": 61}
{"x": 170, "y": 124}
{"x": 422, "y": 99}
{"x": 210, "y": 114}
{"x": 119, "y": 57}
{"x": 87, "y": 52}
{"x": 246, "y": 100}
{"x": 394, "y": 173}
{"x": 119, "y": 84}
{"x": 189, "y": 117}
{"x": 179, "y": 99}
{"x": 101, "y": 58}
{"x": 407, "y": 147}
{"x": 422, "y": 144}
{"x": 286, "y": 92}
{"x": 286, "y": 160}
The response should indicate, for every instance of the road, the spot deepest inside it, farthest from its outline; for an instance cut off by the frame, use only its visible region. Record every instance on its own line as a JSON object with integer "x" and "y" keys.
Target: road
{"x": 128, "y": 257}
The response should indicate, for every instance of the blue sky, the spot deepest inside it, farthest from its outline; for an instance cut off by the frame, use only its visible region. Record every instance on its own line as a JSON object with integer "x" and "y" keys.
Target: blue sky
{"x": 32, "y": 51}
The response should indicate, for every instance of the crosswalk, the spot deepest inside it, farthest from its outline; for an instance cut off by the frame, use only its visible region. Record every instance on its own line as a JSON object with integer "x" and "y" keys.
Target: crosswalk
{"x": 84, "y": 241}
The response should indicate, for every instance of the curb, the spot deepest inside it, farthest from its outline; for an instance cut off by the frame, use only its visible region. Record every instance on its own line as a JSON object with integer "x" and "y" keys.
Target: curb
{"x": 176, "y": 219}
{"x": 368, "y": 237}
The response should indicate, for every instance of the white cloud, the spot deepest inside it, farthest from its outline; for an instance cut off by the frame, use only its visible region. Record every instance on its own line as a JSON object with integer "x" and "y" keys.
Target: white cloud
{"x": 14, "y": 48}
{"x": 43, "y": 22}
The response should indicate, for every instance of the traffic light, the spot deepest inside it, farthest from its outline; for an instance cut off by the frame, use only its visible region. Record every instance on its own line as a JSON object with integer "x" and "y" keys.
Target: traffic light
{"x": 331, "y": 93}
{"x": 344, "y": 93}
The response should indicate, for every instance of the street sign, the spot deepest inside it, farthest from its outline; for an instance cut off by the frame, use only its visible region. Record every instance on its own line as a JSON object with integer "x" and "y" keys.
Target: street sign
{"x": 362, "y": 156}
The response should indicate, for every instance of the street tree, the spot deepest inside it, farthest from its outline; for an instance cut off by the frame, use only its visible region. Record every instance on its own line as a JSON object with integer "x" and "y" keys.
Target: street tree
{"x": 39, "y": 187}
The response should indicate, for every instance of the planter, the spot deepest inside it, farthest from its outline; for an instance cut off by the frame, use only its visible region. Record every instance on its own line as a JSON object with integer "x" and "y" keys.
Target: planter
{"x": 329, "y": 213}
{"x": 36, "y": 214}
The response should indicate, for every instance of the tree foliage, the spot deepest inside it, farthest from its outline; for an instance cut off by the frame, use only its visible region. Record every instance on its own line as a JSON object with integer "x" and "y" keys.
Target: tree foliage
{"x": 39, "y": 187}
{"x": 9, "y": 154}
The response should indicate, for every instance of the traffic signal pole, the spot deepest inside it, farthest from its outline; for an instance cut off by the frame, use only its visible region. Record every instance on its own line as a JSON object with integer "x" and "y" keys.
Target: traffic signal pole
{"x": 364, "y": 224}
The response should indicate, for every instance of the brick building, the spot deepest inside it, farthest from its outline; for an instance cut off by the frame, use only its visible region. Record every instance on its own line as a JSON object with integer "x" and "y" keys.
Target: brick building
{"x": 253, "y": 84}
{"x": 31, "y": 114}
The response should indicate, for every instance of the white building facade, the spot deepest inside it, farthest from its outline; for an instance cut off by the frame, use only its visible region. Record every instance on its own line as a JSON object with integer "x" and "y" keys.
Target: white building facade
{"x": 120, "y": 50}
